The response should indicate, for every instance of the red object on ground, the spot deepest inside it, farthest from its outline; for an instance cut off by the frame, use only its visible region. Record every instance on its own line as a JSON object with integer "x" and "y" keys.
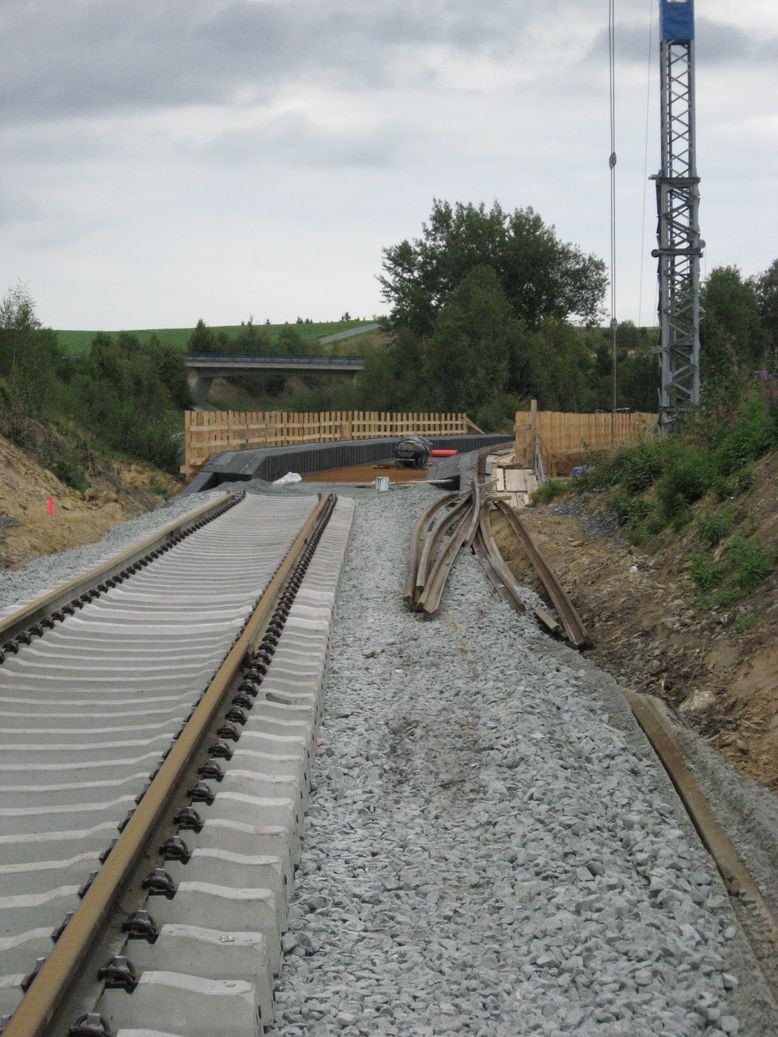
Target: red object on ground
{"x": 443, "y": 453}
{"x": 51, "y": 505}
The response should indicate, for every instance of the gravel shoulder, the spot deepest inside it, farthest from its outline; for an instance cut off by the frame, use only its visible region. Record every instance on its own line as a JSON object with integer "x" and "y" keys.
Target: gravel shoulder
{"x": 491, "y": 847}
{"x": 49, "y": 571}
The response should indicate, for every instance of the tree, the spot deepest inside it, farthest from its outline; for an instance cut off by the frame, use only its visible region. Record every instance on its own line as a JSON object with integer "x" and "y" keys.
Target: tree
{"x": 766, "y": 287}
{"x": 540, "y": 275}
{"x": 560, "y": 367}
{"x": 171, "y": 372}
{"x": 202, "y": 340}
{"x": 29, "y": 353}
{"x": 17, "y": 323}
{"x": 731, "y": 333}
{"x": 465, "y": 360}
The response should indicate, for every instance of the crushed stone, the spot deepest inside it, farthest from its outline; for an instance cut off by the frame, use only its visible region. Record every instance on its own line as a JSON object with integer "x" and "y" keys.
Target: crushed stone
{"x": 491, "y": 849}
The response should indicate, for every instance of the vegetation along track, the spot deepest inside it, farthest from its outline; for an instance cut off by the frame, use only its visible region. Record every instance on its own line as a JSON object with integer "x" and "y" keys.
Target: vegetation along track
{"x": 120, "y": 739}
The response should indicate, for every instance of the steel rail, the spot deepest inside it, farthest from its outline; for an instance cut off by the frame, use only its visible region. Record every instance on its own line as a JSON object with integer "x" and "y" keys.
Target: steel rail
{"x": 730, "y": 864}
{"x": 571, "y": 621}
{"x": 36, "y": 1009}
{"x": 40, "y": 609}
{"x": 441, "y": 522}
{"x": 429, "y": 599}
{"x": 418, "y": 538}
{"x": 482, "y": 554}
{"x": 476, "y": 516}
{"x": 497, "y": 563}
{"x": 499, "y": 572}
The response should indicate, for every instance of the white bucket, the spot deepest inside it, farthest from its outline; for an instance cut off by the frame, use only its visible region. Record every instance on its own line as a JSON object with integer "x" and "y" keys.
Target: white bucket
{"x": 382, "y": 483}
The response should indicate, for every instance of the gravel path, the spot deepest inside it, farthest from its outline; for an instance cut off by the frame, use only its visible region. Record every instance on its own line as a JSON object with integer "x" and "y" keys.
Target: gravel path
{"x": 41, "y": 575}
{"x": 491, "y": 849}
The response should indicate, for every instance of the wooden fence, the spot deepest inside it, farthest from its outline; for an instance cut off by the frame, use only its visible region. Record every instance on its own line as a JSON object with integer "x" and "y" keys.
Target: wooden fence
{"x": 564, "y": 440}
{"x": 207, "y": 433}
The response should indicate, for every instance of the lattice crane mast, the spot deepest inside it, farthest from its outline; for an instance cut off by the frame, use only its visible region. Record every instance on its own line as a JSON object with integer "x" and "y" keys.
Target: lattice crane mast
{"x": 678, "y": 230}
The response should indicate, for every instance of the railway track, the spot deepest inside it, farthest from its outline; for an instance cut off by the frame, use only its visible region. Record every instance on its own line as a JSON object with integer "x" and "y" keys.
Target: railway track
{"x": 159, "y": 725}
{"x": 159, "y": 718}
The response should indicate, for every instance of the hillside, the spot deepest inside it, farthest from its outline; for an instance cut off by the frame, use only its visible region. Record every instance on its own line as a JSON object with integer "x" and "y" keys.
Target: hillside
{"x": 713, "y": 656}
{"x": 118, "y": 491}
{"x": 76, "y": 343}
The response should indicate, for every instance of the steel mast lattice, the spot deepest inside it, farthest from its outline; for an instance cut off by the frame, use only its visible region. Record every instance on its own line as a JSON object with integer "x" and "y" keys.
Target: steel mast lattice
{"x": 678, "y": 231}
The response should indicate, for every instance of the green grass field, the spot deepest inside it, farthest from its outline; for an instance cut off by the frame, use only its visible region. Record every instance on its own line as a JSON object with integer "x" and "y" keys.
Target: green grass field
{"x": 76, "y": 343}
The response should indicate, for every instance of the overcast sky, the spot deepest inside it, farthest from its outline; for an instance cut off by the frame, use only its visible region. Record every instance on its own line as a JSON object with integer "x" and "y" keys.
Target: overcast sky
{"x": 165, "y": 160}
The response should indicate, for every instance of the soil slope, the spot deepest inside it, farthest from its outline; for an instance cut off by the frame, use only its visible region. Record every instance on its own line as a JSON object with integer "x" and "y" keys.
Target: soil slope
{"x": 117, "y": 492}
{"x": 717, "y": 667}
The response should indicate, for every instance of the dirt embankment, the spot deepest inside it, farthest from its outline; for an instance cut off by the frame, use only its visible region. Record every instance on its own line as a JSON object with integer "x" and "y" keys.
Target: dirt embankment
{"x": 717, "y": 667}
{"x": 27, "y": 530}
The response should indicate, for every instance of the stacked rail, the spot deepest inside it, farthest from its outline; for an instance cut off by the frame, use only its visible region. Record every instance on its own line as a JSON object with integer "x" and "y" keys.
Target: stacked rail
{"x": 460, "y": 519}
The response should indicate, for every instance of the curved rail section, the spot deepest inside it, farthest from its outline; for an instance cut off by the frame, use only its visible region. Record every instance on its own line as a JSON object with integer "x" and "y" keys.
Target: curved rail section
{"x": 458, "y": 519}
{"x": 571, "y": 621}
{"x": 104, "y": 716}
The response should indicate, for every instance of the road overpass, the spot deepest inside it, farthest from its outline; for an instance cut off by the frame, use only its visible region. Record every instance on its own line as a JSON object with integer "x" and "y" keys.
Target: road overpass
{"x": 202, "y": 369}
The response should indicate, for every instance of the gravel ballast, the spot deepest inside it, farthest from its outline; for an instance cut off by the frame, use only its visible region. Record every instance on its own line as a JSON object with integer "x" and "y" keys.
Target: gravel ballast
{"x": 491, "y": 849}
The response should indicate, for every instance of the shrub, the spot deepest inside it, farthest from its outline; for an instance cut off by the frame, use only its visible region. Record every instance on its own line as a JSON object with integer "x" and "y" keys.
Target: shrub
{"x": 744, "y": 623}
{"x": 682, "y": 484}
{"x": 547, "y": 491}
{"x": 706, "y": 573}
{"x": 71, "y": 474}
{"x": 641, "y": 467}
{"x": 630, "y": 510}
{"x": 157, "y": 486}
{"x": 713, "y": 527}
{"x": 752, "y": 561}
{"x": 751, "y": 433}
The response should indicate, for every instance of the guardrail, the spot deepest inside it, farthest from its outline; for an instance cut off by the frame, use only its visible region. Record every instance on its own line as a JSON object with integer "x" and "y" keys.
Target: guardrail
{"x": 214, "y": 360}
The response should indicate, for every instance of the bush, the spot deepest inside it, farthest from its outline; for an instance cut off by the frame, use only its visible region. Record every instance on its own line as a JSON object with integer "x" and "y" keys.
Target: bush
{"x": 642, "y": 467}
{"x": 630, "y": 510}
{"x": 547, "y": 491}
{"x": 706, "y": 573}
{"x": 157, "y": 486}
{"x": 745, "y": 623}
{"x": 713, "y": 527}
{"x": 752, "y": 561}
{"x": 751, "y": 434}
{"x": 682, "y": 484}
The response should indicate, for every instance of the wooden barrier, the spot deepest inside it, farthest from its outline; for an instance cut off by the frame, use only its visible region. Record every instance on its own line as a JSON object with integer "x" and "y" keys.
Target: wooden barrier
{"x": 564, "y": 440}
{"x": 207, "y": 433}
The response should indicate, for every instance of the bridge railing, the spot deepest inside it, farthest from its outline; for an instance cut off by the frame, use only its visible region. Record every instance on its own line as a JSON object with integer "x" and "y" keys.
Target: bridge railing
{"x": 273, "y": 359}
{"x": 207, "y": 433}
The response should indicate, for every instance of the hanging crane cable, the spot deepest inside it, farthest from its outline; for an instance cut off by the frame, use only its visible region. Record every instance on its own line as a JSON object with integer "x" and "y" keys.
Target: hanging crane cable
{"x": 649, "y": 70}
{"x": 612, "y": 165}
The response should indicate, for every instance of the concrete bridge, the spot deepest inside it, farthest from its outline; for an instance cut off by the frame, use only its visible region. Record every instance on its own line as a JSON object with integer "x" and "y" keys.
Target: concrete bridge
{"x": 202, "y": 369}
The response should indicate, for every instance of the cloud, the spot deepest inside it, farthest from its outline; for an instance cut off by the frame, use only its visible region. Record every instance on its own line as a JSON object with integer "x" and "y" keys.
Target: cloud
{"x": 88, "y": 56}
{"x": 17, "y": 207}
{"x": 716, "y": 43}
{"x": 299, "y": 141}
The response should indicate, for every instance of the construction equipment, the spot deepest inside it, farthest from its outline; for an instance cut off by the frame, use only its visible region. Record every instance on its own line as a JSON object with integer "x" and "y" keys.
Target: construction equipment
{"x": 412, "y": 451}
{"x": 678, "y": 232}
